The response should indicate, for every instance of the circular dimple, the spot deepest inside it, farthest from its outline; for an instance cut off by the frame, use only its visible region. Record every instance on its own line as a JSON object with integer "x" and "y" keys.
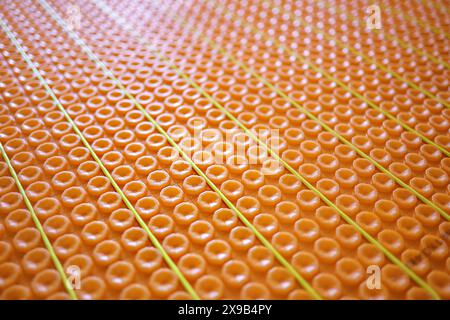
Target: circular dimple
{"x": 366, "y": 193}
{"x": 217, "y": 174}
{"x": 308, "y": 200}
{"x": 327, "y": 217}
{"x": 135, "y": 292}
{"x": 10, "y": 201}
{"x": 9, "y": 274}
{"x": 387, "y": 210}
{"x": 328, "y": 286}
{"x": 123, "y": 174}
{"x": 249, "y": 206}
{"x": 180, "y": 169}
{"x": 29, "y": 175}
{"x": 310, "y": 172}
{"x": 327, "y": 163}
{"x": 423, "y": 186}
{"x": 112, "y": 160}
{"x": 349, "y": 204}
{"x": 63, "y": 180}
{"x": 255, "y": 291}
{"x": 192, "y": 265}
{"x": 170, "y": 196}
{"x": 410, "y": 228}
{"x": 134, "y": 239}
{"x": 232, "y": 189}
{"x": 235, "y": 273}
{"x": 185, "y": 213}
{"x": 67, "y": 245}
{"x": 417, "y": 261}
{"x": 217, "y": 252}
{"x": 369, "y": 221}
{"x": 287, "y": 212}
{"x": 209, "y": 201}
{"x": 280, "y": 281}
{"x": 383, "y": 183}
{"x": 82, "y": 261}
{"x": 121, "y": 219}
{"x": 83, "y": 214}
{"x": 346, "y": 178}
{"x": 285, "y": 243}
{"x": 145, "y": 164}
{"x": 147, "y": 207}
{"x": 427, "y": 215}
{"x": 266, "y": 224}
{"x": 253, "y": 179}
{"x": 242, "y": 238}
{"x": 369, "y": 254}
{"x": 289, "y": 184}
{"x": 56, "y": 226}
{"x": 176, "y": 245}
{"x": 36, "y": 260}
{"x": 350, "y": 271}
{"x": 120, "y": 274}
{"x": 209, "y": 287}
{"x": 200, "y": 232}
{"x": 94, "y": 232}
{"x": 329, "y": 188}
{"x": 158, "y": 179}
{"x": 88, "y": 170}
{"x": 92, "y": 288}
{"x": 260, "y": 258}
{"x": 404, "y": 198}
{"x": 26, "y": 239}
{"x": 306, "y": 264}
{"x": 392, "y": 240}
{"x": 224, "y": 219}
{"x": 306, "y": 230}
{"x": 148, "y": 260}
{"x": 348, "y": 236}
{"x": 109, "y": 201}
{"x": 194, "y": 185}
{"x": 327, "y": 250}
{"x": 163, "y": 282}
{"x": 39, "y": 190}
{"x": 18, "y": 220}
{"x": 394, "y": 278}
{"x": 434, "y": 247}
{"x": 161, "y": 225}
{"x": 73, "y": 196}
{"x": 269, "y": 195}
{"x": 46, "y": 283}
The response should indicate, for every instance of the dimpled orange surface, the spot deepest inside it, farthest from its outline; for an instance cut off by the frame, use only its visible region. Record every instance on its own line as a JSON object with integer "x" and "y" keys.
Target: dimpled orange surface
{"x": 224, "y": 149}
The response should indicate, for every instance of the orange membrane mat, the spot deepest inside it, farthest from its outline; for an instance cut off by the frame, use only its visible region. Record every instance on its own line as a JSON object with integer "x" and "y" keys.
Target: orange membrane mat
{"x": 224, "y": 149}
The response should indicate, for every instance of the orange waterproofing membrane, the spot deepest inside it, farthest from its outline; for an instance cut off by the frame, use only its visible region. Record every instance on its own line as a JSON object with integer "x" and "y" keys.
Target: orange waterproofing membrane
{"x": 224, "y": 150}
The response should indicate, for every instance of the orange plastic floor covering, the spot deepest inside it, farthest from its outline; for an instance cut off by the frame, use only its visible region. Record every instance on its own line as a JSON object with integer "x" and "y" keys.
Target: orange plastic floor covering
{"x": 224, "y": 149}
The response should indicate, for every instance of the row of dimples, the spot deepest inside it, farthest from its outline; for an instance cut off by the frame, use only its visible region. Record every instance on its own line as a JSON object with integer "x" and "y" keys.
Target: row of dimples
{"x": 217, "y": 252}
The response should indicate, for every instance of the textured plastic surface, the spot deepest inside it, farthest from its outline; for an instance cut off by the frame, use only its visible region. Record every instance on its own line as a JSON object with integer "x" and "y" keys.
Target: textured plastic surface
{"x": 224, "y": 150}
